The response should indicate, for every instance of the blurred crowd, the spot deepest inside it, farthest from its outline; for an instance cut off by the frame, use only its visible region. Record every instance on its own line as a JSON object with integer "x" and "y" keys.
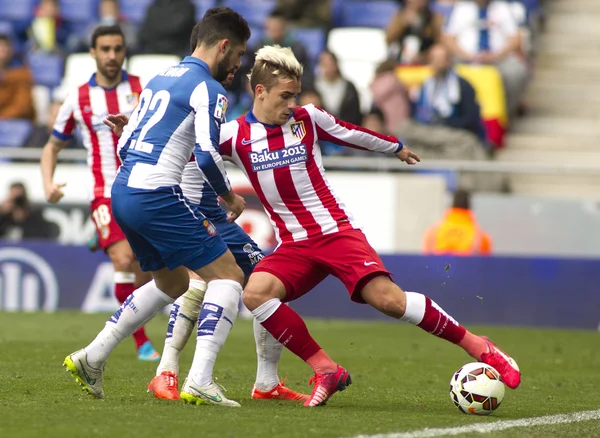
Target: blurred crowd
{"x": 448, "y": 45}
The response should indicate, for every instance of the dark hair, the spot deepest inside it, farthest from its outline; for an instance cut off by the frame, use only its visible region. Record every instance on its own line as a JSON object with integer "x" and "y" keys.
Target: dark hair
{"x": 5, "y": 38}
{"x": 462, "y": 199}
{"x": 375, "y": 111}
{"x": 220, "y": 23}
{"x": 278, "y": 13}
{"x": 105, "y": 30}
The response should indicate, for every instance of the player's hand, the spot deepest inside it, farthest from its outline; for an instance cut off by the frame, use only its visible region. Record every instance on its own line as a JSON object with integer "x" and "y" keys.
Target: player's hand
{"x": 54, "y": 192}
{"x": 235, "y": 204}
{"x": 116, "y": 122}
{"x": 408, "y": 156}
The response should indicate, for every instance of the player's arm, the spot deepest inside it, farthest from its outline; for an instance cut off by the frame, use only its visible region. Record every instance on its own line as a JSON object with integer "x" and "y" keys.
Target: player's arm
{"x": 207, "y": 126}
{"x": 328, "y": 128}
{"x": 62, "y": 132}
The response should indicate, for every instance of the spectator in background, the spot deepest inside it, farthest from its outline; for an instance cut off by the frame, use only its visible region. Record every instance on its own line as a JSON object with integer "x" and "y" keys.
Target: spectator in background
{"x": 310, "y": 97}
{"x": 277, "y": 32}
{"x": 412, "y": 31}
{"x": 338, "y": 95}
{"x": 306, "y": 13}
{"x": 375, "y": 121}
{"x": 110, "y": 15}
{"x": 16, "y": 83}
{"x": 486, "y": 32}
{"x": 19, "y": 220}
{"x": 458, "y": 232}
{"x": 447, "y": 121}
{"x": 167, "y": 27}
{"x": 390, "y": 96}
{"x": 47, "y": 32}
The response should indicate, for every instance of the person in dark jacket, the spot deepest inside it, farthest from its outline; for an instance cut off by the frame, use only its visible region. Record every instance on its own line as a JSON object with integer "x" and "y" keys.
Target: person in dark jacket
{"x": 338, "y": 94}
{"x": 167, "y": 27}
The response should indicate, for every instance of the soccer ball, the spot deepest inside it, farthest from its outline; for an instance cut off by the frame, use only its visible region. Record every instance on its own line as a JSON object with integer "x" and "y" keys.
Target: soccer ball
{"x": 476, "y": 389}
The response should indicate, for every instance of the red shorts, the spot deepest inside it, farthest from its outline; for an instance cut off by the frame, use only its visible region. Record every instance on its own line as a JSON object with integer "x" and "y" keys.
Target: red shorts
{"x": 302, "y": 265}
{"x": 106, "y": 227}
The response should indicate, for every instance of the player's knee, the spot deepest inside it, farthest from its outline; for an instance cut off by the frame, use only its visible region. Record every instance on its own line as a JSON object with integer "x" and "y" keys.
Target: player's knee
{"x": 252, "y": 298}
{"x": 388, "y": 299}
{"x": 123, "y": 262}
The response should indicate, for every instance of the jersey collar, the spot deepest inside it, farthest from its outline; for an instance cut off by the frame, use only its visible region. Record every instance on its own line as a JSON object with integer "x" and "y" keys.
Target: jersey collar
{"x": 251, "y": 118}
{"x": 92, "y": 82}
{"x": 197, "y": 61}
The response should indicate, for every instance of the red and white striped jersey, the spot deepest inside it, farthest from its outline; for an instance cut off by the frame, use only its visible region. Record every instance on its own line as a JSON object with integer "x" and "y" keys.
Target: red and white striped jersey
{"x": 87, "y": 106}
{"x": 284, "y": 166}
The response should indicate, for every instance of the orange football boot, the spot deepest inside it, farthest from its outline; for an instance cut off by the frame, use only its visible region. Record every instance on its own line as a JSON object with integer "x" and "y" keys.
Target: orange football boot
{"x": 165, "y": 386}
{"x": 280, "y": 392}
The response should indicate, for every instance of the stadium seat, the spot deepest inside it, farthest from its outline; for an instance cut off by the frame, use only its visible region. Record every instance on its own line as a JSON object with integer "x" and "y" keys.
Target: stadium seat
{"x": 367, "y": 14}
{"x": 148, "y": 66}
{"x": 254, "y": 11}
{"x": 444, "y": 9}
{"x": 134, "y": 10}
{"x": 47, "y": 68}
{"x": 79, "y": 67}
{"x": 202, "y": 6}
{"x": 256, "y": 35}
{"x": 17, "y": 10}
{"x": 360, "y": 73}
{"x": 14, "y": 132}
{"x": 313, "y": 41}
{"x": 79, "y": 11}
{"x": 6, "y": 28}
{"x": 358, "y": 44}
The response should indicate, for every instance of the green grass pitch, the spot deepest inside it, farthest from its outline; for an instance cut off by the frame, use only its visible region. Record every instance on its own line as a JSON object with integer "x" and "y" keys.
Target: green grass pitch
{"x": 401, "y": 377}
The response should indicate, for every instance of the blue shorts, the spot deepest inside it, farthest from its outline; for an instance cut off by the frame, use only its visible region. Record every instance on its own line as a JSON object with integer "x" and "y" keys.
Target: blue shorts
{"x": 164, "y": 229}
{"x": 246, "y": 252}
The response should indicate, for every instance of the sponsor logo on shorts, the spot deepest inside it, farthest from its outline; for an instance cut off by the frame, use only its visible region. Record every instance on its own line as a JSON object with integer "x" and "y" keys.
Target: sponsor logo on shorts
{"x": 254, "y": 254}
{"x": 210, "y": 228}
{"x": 267, "y": 160}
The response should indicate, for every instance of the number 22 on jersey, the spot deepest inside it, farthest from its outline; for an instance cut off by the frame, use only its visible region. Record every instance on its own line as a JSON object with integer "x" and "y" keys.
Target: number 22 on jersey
{"x": 156, "y": 105}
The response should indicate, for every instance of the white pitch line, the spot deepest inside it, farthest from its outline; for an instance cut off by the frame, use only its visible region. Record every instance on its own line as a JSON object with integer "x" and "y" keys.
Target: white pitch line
{"x": 574, "y": 417}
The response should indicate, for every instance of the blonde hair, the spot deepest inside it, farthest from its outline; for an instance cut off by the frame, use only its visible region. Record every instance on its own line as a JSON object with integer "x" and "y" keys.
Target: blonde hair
{"x": 273, "y": 63}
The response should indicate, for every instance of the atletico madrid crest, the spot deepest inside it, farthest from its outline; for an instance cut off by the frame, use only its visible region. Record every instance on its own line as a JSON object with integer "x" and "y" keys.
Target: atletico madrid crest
{"x": 132, "y": 99}
{"x": 298, "y": 130}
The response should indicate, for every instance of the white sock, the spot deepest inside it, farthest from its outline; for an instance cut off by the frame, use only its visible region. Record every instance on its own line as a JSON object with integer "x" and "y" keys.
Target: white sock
{"x": 217, "y": 316}
{"x": 137, "y": 310}
{"x": 268, "y": 353}
{"x": 415, "y": 308}
{"x": 182, "y": 320}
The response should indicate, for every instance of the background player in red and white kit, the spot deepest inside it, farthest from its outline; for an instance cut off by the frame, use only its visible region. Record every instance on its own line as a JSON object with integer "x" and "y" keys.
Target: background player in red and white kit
{"x": 109, "y": 90}
{"x": 277, "y": 145}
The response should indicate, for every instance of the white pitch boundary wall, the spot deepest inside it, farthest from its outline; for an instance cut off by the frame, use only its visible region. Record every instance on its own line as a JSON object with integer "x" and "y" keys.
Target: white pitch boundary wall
{"x": 394, "y": 210}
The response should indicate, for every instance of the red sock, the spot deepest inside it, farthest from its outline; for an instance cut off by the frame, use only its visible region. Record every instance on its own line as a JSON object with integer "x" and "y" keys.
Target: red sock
{"x": 122, "y": 291}
{"x": 288, "y": 328}
{"x": 437, "y": 322}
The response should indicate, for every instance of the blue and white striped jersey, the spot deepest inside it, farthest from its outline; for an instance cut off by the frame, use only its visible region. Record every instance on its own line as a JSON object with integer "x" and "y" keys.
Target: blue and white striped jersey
{"x": 179, "y": 114}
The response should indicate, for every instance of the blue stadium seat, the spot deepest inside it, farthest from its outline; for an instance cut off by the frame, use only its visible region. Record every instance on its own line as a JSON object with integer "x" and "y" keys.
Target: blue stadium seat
{"x": 14, "y": 132}
{"x": 202, "y": 6}
{"x": 17, "y": 10}
{"x": 368, "y": 14}
{"x": 256, "y": 35}
{"x": 313, "y": 41}
{"x": 134, "y": 10}
{"x": 80, "y": 11}
{"x": 254, "y": 11}
{"x": 47, "y": 68}
{"x": 444, "y": 9}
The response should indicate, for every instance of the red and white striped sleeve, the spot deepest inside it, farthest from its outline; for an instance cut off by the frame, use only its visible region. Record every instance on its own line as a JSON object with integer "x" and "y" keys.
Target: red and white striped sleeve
{"x": 227, "y": 138}
{"x": 343, "y": 133}
{"x": 65, "y": 120}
